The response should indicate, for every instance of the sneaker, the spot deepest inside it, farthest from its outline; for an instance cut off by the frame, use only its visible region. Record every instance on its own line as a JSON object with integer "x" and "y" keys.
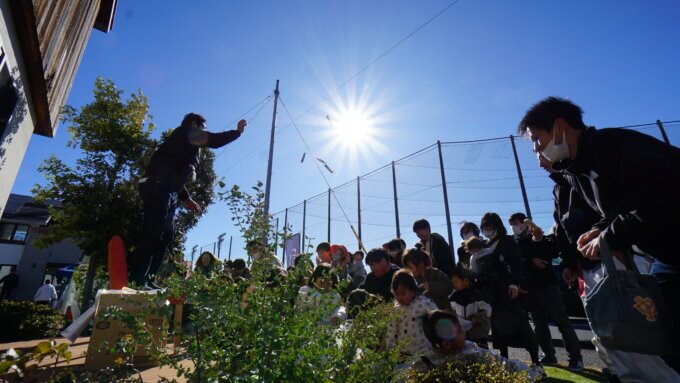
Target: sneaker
{"x": 575, "y": 365}
{"x": 548, "y": 360}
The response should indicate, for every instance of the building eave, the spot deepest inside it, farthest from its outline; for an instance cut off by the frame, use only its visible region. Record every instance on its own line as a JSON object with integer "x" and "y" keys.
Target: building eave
{"x": 105, "y": 16}
{"x": 24, "y": 20}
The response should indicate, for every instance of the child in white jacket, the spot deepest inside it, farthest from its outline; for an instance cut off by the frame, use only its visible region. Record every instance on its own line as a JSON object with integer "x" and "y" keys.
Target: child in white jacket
{"x": 470, "y": 305}
{"x": 406, "y": 329}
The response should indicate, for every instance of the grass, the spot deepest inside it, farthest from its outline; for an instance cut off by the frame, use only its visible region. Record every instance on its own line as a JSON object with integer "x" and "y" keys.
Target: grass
{"x": 558, "y": 374}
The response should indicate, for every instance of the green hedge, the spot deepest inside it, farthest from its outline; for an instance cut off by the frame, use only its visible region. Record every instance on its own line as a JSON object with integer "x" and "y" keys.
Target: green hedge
{"x": 23, "y": 320}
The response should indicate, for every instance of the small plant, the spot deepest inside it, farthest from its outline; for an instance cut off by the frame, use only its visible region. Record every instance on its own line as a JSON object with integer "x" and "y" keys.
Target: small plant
{"x": 19, "y": 365}
{"x": 23, "y": 320}
{"x": 463, "y": 370}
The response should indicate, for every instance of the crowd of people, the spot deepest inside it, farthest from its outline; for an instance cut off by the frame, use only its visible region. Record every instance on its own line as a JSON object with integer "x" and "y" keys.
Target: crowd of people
{"x": 616, "y": 196}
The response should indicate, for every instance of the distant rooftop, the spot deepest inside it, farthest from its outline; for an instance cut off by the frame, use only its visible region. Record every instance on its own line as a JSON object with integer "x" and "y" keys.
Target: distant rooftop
{"x": 23, "y": 209}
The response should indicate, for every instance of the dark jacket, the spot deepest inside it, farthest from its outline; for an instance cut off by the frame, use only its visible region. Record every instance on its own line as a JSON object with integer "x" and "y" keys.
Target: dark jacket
{"x": 380, "y": 286}
{"x": 439, "y": 287}
{"x": 10, "y": 282}
{"x": 442, "y": 258}
{"x": 176, "y": 159}
{"x": 573, "y": 217}
{"x": 500, "y": 269}
{"x": 632, "y": 180}
{"x": 543, "y": 250}
{"x": 463, "y": 256}
{"x": 470, "y": 304}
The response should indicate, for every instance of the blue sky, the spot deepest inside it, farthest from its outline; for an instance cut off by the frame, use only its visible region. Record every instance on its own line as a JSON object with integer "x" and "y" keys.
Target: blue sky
{"x": 469, "y": 74}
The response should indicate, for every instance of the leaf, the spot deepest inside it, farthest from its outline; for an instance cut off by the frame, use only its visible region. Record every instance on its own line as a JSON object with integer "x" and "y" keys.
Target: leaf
{"x": 43, "y": 348}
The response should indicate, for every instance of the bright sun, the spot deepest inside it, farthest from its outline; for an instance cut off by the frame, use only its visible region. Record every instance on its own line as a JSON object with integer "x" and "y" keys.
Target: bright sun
{"x": 352, "y": 127}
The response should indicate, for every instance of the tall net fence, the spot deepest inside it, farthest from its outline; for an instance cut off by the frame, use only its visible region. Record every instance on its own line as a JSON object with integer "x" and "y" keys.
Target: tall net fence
{"x": 467, "y": 179}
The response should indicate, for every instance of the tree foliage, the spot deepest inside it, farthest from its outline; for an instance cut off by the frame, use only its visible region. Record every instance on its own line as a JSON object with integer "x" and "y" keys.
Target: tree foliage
{"x": 97, "y": 197}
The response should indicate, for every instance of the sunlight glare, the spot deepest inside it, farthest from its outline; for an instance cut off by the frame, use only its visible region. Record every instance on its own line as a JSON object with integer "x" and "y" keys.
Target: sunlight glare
{"x": 352, "y": 127}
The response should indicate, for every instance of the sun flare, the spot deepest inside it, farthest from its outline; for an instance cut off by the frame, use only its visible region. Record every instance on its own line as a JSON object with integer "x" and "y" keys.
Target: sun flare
{"x": 352, "y": 127}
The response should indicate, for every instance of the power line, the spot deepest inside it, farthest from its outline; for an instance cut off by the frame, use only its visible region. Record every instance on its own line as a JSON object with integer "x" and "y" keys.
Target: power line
{"x": 374, "y": 61}
{"x": 263, "y": 102}
{"x": 330, "y": 190}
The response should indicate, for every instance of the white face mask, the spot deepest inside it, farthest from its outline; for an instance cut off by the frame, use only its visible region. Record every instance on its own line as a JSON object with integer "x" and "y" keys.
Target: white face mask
{"x": 490, "y": 234}
{"x": 467, "y": 236}
{"x": 556, "y": 152}
{"x": 517, "y": 230}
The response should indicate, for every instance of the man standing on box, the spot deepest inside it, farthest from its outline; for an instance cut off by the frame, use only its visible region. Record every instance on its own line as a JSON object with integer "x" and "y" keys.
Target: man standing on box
{"x": 162, "y": 189}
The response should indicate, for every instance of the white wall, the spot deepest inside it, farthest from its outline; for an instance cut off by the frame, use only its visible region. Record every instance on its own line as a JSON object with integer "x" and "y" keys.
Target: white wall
{"x": 34, "y": 261}
{"x": 18, "y": 133}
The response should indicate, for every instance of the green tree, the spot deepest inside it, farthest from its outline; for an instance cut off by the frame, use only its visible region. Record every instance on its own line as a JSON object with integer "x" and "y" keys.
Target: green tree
{"x": 98, "y": 198}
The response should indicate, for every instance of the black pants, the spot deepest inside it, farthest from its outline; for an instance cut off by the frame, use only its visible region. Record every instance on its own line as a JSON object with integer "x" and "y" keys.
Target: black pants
{"x": 510, "y": 327}
{"x": 158, "y": 230}
{"x": 550, "y": 307}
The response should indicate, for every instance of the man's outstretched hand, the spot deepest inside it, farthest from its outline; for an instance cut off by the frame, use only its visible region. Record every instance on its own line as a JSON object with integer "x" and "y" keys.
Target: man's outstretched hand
{"x": 192, "y": 206}
{"x": 241, "y": 126}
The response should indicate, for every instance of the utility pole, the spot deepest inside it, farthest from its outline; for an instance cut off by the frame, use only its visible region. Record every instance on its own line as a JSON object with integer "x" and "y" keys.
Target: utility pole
{"x": 193, "y": 253}
{"x": 268, "y": 186}
{"x": 220, "y": 239}
{"x": 231, "y": 237}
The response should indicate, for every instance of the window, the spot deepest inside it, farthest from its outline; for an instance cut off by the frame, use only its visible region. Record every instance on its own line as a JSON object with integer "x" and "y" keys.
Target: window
{"x": 14, "y": 233}
{"x": 6, "y": 231}
{"x": 20, "y": 233}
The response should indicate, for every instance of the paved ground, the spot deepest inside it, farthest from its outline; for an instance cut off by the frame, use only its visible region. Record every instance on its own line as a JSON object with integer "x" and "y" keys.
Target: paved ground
{"x": 78, "y": 349}
{"x": 584, "y": 334}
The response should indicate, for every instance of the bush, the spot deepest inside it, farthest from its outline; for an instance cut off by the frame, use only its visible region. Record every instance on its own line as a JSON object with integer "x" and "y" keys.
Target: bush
{"x": 23, "y": 320}
{"x": 484, "y": 370}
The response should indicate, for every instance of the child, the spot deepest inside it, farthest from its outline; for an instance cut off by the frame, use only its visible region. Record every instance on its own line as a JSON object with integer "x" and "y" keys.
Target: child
{"x": 356, "y": 269}
{"x": 443, "y": 329}
{"x": 469, "y": 304}
{"x": 406, "y": 329}
{"x": 475, "y": 247}
{"x": 321, "y": 290}
{"x": 436, "y": 285}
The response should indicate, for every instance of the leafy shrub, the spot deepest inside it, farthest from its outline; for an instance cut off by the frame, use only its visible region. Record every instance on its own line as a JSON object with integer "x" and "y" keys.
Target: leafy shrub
{"x": 484, "y": 370}
{"x": 23, "y": 320}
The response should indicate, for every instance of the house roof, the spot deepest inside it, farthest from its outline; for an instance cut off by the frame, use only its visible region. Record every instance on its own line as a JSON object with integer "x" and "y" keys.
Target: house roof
{"x": 24, "y": 209}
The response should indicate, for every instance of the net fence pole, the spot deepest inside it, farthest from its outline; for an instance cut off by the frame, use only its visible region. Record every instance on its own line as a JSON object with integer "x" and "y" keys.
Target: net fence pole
{"x": 285, "y": 235}
{"x": 396, "y": 200}
{"x": 520, "y": 177}
{"x": 446, "y": 198}
{"x": 304, "y": 224}
{"x": 663, "y": 132}
{"x": 359, "y": 208}
{"x": 231, "y": 238}
{"x": 276, "y": 238}
{"x": 329, "y": 215}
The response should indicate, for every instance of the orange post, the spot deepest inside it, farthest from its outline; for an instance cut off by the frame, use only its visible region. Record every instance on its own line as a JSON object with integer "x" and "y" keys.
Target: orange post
{"x": 117, "y": 263}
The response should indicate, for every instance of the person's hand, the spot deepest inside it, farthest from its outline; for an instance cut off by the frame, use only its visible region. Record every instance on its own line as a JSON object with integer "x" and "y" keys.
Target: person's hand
{"x": 536, "y": 233}
{"x": 513, "y": 291}
{"x": 541, "y": 264}
{"x": 192, "y": 205}
{"x": 241, "y": 126}
{"x": 426, "y": 287}
{"x": 569, "y": 275}
{"x": 589, "y": 245}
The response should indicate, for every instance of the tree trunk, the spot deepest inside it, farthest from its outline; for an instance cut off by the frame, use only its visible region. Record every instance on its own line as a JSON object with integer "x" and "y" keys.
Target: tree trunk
{"x": 89, "y": 283}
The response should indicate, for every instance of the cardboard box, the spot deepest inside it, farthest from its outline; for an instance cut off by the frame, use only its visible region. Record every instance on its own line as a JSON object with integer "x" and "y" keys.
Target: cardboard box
{"x": 110, "y": 330}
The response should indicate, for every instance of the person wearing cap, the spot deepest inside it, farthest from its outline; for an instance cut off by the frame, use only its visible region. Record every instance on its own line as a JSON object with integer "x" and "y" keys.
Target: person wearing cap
{"x": 162, "y": 189}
